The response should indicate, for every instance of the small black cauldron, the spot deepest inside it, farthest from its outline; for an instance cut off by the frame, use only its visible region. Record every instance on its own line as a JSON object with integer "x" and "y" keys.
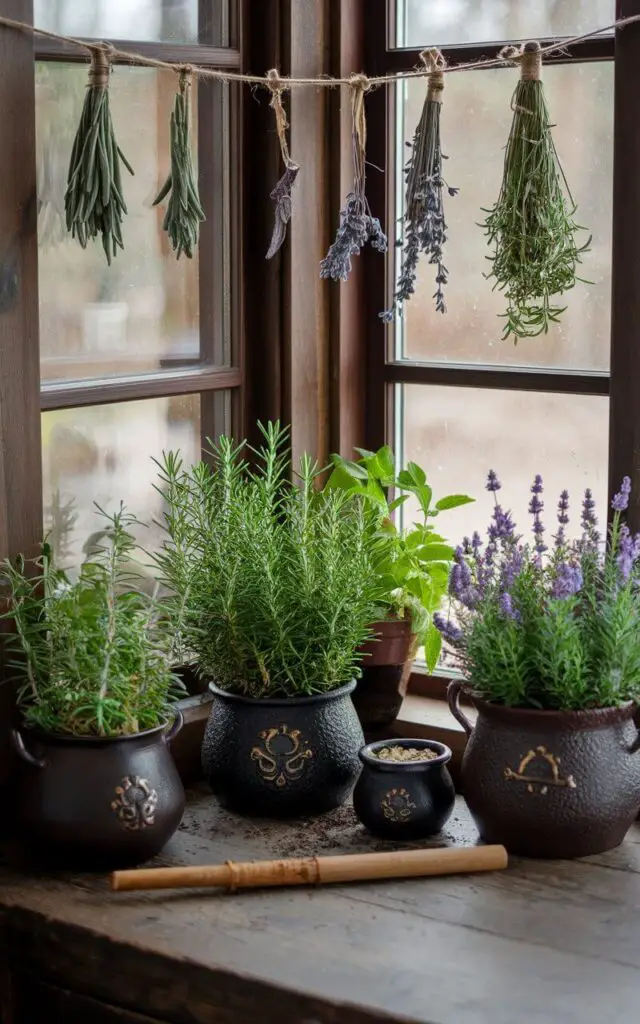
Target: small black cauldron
{"x": 404, "y": 800}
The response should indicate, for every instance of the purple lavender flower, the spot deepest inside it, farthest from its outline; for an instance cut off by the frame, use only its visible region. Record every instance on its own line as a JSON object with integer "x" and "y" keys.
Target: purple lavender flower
{"x": 567, "y": 582}
{"x": 450, "y": 632}
{"x": 455, "y": 581}
{"x": 589, "y": 521}
{"x": 476, "y": 543}
{"x": 536, "y": 506}
{"x": 511, "y": 568}
{"x": 625, "y": 552}
{"x": 492, "y": 484}
{"x": 621, "y": 499}
{"x": 536, "y": 487}
{"x": 506, "y": 607}
{"x": 563, "y": 519}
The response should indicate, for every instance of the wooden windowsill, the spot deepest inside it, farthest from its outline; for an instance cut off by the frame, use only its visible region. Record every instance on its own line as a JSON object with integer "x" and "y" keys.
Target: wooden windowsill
{"x": 430, "y": 718}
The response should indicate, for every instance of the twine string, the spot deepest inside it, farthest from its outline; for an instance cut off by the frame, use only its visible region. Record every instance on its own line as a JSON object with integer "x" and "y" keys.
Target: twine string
{"x": 274, "y": 84}
{"x": 434, "y": 64}
{"x": 100, "y": 66}
{"x": 359, "y": 87}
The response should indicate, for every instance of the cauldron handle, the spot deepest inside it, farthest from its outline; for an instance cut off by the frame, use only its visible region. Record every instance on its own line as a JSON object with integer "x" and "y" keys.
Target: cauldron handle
{"x": 21, "y": 751}
{"x": 175, "y": 727}
{"x": 453, "y": 700}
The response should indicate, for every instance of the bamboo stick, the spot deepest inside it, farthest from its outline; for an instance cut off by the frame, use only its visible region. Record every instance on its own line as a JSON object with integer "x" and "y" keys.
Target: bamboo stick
{"x": 317, "y": 870}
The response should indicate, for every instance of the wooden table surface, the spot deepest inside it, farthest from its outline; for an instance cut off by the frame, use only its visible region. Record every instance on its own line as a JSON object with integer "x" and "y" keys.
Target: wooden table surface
{"x": 541, "y": 942}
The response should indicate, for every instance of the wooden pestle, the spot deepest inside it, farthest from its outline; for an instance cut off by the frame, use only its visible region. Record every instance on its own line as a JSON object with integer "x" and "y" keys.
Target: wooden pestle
{"x": 318, "y": 870}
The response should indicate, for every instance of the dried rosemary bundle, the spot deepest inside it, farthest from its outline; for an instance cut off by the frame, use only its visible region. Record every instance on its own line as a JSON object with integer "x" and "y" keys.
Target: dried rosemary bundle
{"x": 93, "y": 200}
{"x": 281, "y": 194}
{"x": 425, "y": 230}
{"x": 184, "y": 210}
{"x": 531, "y": 225}
{"x": 357, "y": 226}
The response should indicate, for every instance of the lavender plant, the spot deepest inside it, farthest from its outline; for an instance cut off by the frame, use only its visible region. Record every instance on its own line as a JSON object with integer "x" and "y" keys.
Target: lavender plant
{"x": 548, "y": 626}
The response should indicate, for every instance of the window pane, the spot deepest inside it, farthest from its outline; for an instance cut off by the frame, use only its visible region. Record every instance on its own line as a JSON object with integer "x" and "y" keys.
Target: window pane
{"x": 458, "y": 434}
{"x": 447, "y": 22}
{"x": 141, "y": 313}
{"x": 476, "y": 118}
{"x": 104, "y": 454}
{"x": 164, "y": 20}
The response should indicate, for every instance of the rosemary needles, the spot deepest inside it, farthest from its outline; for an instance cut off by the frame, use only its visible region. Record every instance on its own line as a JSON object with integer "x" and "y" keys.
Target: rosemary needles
{"x": 531, "y": 226}
{"x": 93, "y": 201}
{"x": 357, "y": 225}
{"x": 184, "y": 212}
{"x": 425, "y": 230}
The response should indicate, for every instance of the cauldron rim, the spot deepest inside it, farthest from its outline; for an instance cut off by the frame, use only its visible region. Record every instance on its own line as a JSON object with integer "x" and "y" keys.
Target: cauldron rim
{"x": 368, "y": 758}
{"x": 63, "y": 738}
{"x": 257, "y": 702}
{"x": 585, "y": 718}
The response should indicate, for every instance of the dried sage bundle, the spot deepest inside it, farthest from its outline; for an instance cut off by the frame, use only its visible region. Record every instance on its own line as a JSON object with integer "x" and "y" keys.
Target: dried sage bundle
{"x": 184, "y": 212}
{"x": 93, "y": 200}
{"x": 425, "y": 230}
{"x": 531, "y": 226}
{"x": 357, "y": 225}
{"x": 281, "y": 193}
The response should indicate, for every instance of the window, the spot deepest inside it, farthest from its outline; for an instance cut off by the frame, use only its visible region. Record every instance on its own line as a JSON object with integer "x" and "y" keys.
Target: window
{"x": 446, "y": 390}
{"x": 143, "y": 355}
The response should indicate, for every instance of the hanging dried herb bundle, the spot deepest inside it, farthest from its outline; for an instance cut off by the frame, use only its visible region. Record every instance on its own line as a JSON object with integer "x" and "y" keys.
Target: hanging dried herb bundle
{"x": 357, "y": 226}
{"x": 425, "y": 230}
{"x": 531, "y": 226}
{"x": 93, "y": 201}
{"x": 281, "y": 194}
{"x": 184, "y": 210}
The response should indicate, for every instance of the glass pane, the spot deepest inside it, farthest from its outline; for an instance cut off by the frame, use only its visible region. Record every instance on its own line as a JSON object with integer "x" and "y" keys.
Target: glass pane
{"x": 104, "y": 454}
{"x": 141, "y": 313}
{"x": 447, "y": 22}
{"x": 153, "y": 20}
{"x": 458, "y": 434}
{"x": 476, "y": 118}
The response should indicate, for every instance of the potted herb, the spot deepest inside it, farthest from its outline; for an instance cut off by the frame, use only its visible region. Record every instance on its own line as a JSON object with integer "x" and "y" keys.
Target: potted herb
{"x": 273, "y": 580}
{"x": 98, "y": 786}
{"x": 412, "y": 567}
{"x": 548, "y": 639}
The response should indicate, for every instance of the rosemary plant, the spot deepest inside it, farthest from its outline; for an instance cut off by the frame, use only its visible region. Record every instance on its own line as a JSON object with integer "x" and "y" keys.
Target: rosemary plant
{"x": 531, "y": 226}
{"x": 184, "y": 209}
{"x": 272, "y": 578}
{"x": 94, "y": 203}
{"x": 91, "y": 655}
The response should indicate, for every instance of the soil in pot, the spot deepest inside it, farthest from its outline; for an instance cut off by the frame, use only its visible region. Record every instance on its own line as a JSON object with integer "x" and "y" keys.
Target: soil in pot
{"x": 405, "y": 791}
{"x": 283, "y": 757}
{"x": 386, "y": 666}
{"x": 96, "y": 803}
{"x": 550, "y": 783}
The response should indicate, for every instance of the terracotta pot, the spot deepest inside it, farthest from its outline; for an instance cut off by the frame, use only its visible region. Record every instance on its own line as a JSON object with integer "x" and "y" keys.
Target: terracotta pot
{"x": 550, "y": 783}
{"x": 98, "y": 803}
{"x": 282, "y": 757}
{"x": 386, "y": 667}
{"x": 404, "y": 800}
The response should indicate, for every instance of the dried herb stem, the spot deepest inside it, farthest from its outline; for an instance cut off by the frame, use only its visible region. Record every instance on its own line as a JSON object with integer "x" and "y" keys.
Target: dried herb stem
{"x": 281, "y": 193}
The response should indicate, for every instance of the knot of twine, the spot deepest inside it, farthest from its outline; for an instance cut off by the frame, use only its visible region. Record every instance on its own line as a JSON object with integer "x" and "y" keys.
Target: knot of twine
{"x": 434, "y": 63}
{"x": 101, "y": 56}
{"x": 186, "y": 74}
{"x": 359, "y": 85}
{"x": 528, "y": 56}
{"x": 276, "y": 88}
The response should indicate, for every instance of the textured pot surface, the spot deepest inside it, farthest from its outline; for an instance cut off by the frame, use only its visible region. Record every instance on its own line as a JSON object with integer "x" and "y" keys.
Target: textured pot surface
{"x": 550, "y": 783}
{"x": 404, "y": 800}
{"x": 282, "y": 757}
{"x": 98, "y": 803}
{"x": 386, "y": 667}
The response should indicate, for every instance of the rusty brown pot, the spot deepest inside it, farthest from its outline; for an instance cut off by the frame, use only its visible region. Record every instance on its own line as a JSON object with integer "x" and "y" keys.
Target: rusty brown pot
{"x": 386, "y": 667}
{"x": 550, "y": 783}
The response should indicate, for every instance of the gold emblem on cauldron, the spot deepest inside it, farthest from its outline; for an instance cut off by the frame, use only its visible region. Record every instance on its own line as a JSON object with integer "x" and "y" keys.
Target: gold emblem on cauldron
{"x": 540, "y": 770}
{"x": 282, "y": 756}
{"x": 135, "y": 803}
{"x": 397, "y": 805}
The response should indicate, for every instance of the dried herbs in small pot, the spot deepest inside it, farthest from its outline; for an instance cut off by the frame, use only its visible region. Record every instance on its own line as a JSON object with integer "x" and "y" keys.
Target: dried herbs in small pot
{"x": 425, "y": 230}
{"x": 531, "y": 225}
{"x": 357, "y": 225}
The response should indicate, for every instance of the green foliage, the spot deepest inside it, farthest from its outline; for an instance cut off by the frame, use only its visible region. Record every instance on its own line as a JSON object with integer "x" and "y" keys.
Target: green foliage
{"x": 93, "y": 655}
{"x": 412, "y": 565}
{"x": 272, "y": 578}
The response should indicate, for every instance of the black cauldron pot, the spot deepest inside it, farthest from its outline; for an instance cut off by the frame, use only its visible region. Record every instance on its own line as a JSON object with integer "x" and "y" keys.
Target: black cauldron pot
{"x": 404, "y": 800}
{"x": 282, "y": 757}
{"x": 98, "y": 803}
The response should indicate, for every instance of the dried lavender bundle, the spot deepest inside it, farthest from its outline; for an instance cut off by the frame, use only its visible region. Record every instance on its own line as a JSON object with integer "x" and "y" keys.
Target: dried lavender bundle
{"x": 357, "y": 225}
{"x": 281, "y": 194}
{"x": 531, "y": 225}
{"x": 425, "y": 230}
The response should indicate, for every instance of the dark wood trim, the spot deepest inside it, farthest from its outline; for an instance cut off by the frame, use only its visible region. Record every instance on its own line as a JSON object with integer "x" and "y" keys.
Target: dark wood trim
{"x": 70, "y": 394}
{"x": 215, "y": 57}
{"x": 406, "y": 58}
{"x": 624, "y": 410}
{"x": 20, "y": 455}
{"x": 460, "y": 375}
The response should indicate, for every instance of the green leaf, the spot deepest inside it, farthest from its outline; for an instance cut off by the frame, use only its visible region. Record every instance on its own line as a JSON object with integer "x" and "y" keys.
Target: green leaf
{"x": 432, "y": 647}
{"x": 424, "y": 494}
{"x": 418, "y": 474}
{"x": 453, "y": 501}
{"x": 436, "y": 553}
{"x": 341, "y": 479}
{"x": 385, "y": 460}
{"x": 397, "y": 502}
{"x": 365, "y": 453}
